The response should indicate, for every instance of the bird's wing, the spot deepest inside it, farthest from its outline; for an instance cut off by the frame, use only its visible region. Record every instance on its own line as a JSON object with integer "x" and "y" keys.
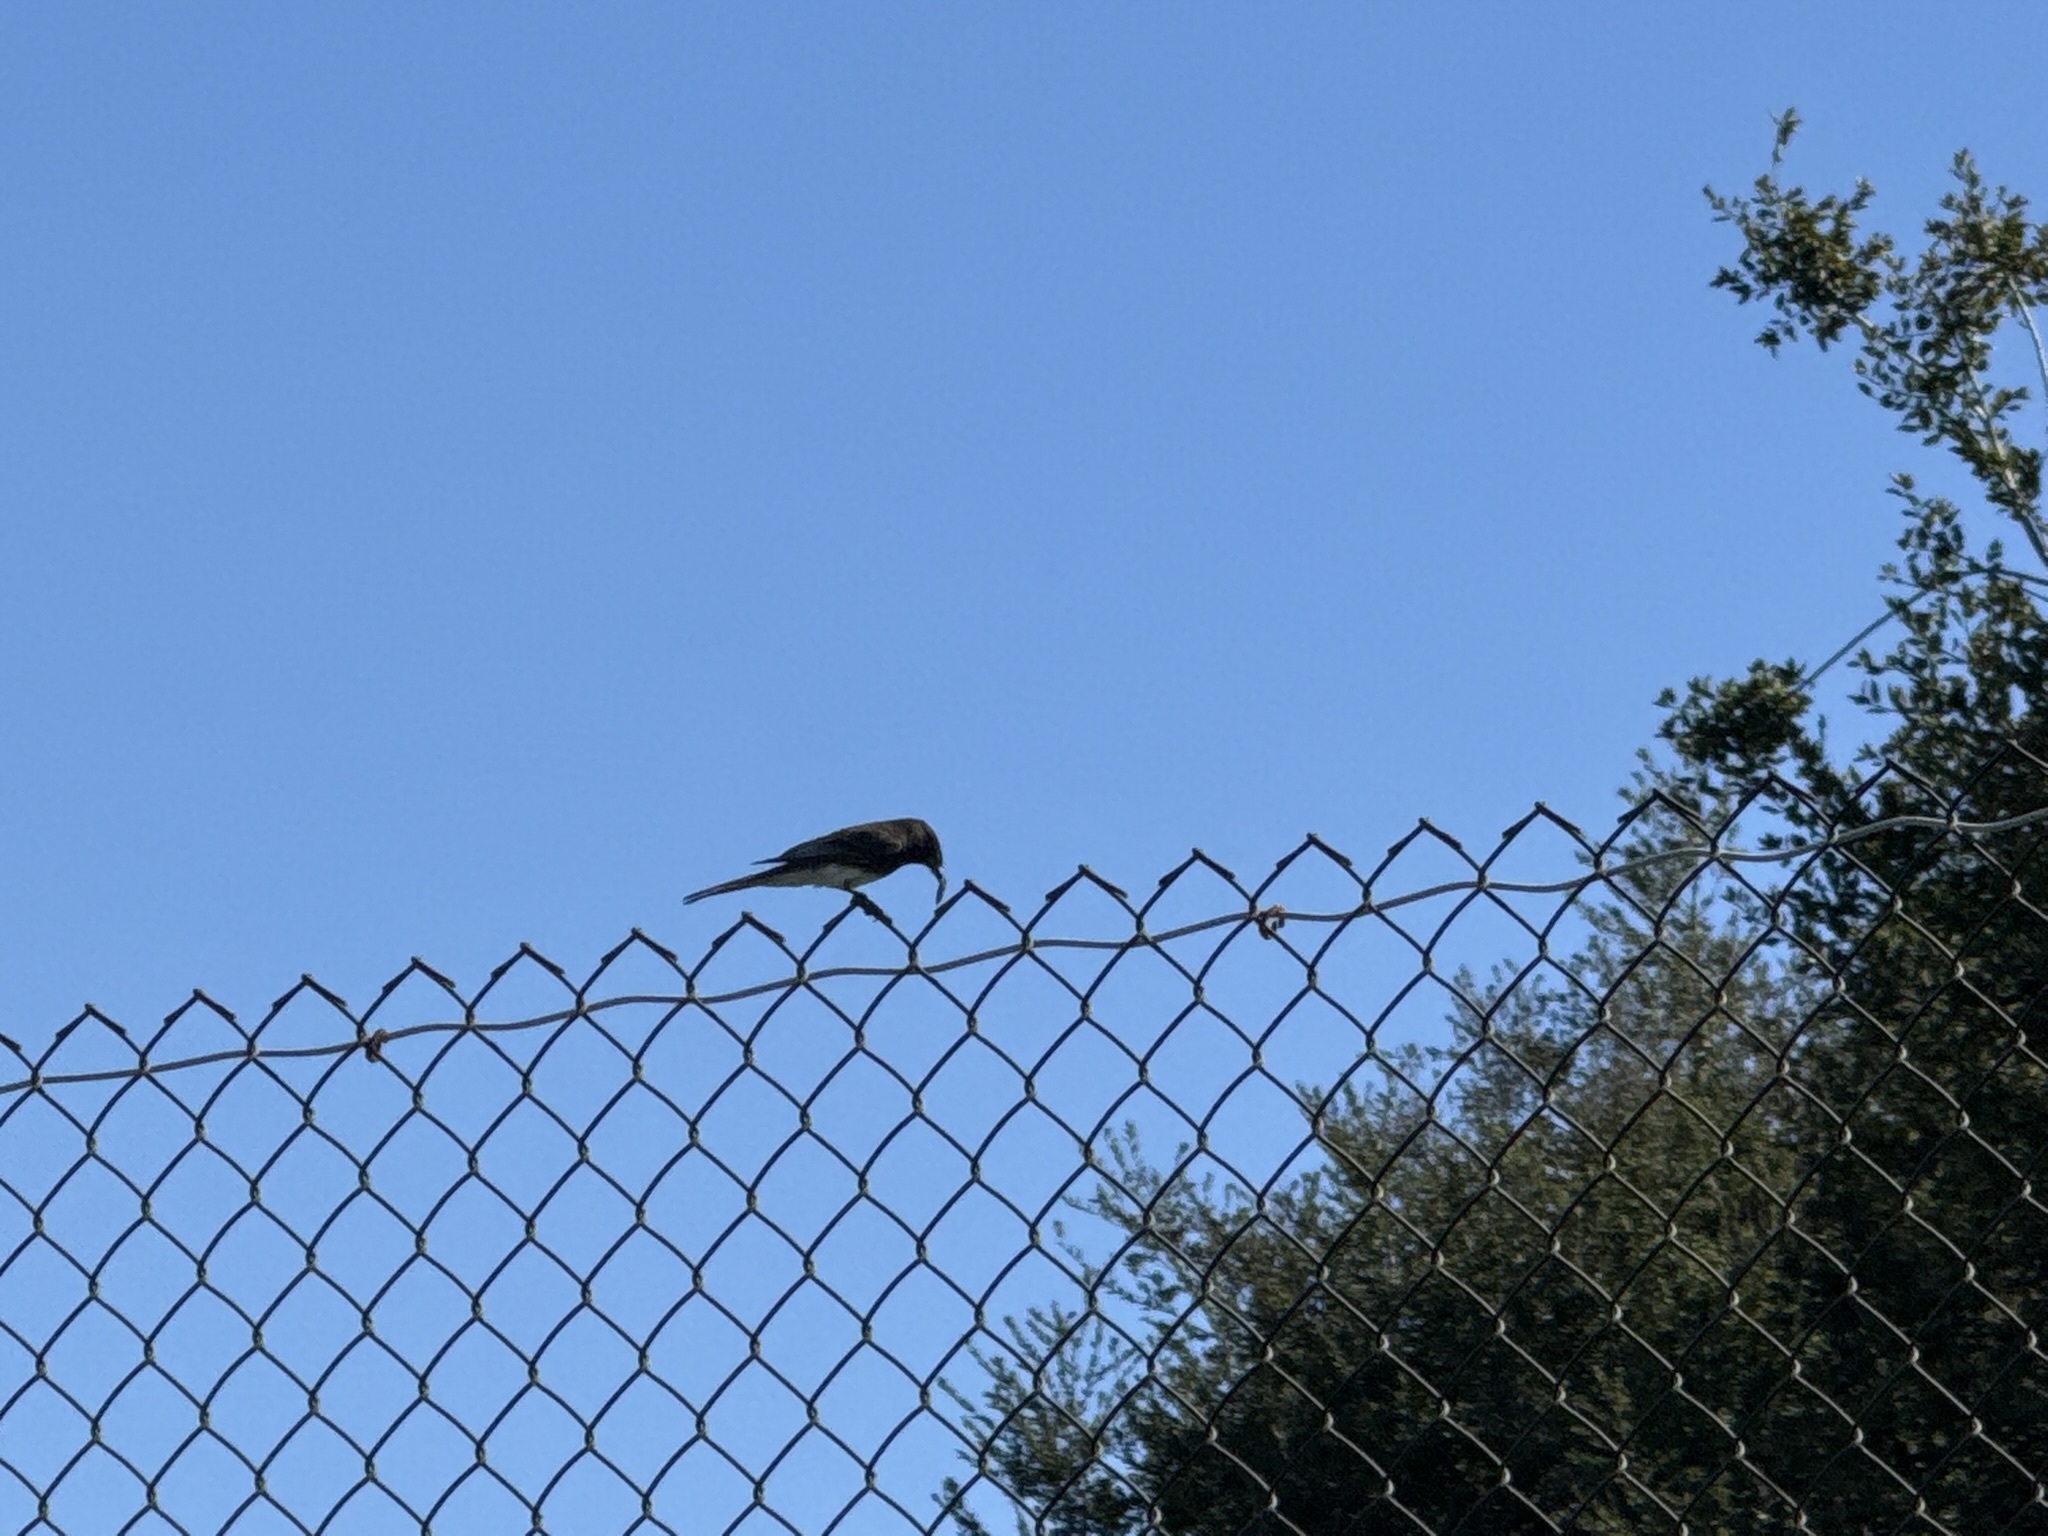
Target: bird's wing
{"x": 864, "y": 844}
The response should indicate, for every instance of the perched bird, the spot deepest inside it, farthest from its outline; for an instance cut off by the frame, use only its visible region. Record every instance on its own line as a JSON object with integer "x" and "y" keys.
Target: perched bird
{"x": 850, "y": 857}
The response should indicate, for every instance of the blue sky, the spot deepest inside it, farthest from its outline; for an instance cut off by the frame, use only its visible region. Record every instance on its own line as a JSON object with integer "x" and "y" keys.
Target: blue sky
{"x": 473, "y": 474}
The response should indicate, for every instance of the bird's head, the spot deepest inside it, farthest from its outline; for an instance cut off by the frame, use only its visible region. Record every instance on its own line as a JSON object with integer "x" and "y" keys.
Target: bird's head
{"x": 923, "y": 848}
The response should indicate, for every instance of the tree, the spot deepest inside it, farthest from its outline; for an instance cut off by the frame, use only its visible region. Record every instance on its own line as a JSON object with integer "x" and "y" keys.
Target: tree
{"x": 1730, "y": 1219}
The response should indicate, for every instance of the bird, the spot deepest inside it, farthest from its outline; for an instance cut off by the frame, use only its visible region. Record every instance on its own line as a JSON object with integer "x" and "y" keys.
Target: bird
{"x": 842, "y": 860}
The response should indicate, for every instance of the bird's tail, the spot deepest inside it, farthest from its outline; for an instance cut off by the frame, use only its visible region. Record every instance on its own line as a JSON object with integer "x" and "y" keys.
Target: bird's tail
{"x": 744, "y": 883}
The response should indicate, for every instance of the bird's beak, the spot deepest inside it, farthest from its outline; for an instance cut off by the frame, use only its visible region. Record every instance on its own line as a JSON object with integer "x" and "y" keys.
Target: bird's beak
{"x": 940, "y": 876}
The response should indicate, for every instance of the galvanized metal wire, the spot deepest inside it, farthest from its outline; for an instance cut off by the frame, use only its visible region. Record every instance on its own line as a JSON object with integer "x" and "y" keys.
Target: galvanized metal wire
{"x": 1573, "y": 1186}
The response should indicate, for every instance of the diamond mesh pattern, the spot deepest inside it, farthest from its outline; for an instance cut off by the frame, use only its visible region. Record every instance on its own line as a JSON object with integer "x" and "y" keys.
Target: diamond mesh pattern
{"x": 1575, "y": 1187}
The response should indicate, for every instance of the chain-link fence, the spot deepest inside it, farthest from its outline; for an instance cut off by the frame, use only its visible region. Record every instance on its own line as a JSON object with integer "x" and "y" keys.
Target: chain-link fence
{"x": 1678, "y": 1181}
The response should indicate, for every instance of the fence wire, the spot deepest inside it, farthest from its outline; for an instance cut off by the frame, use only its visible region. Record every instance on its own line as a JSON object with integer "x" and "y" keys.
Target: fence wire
{"x": 1654, "y": 1183}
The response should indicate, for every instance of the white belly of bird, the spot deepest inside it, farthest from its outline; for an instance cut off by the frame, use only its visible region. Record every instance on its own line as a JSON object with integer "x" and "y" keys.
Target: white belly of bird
{"x": 840, "y": 876}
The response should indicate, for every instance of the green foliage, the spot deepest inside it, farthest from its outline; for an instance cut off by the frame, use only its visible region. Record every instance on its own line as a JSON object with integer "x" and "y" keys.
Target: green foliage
{"x": 1727, "y": 1220}
{"x": 1747, "y": 723}
{"x": 1803, "y": 256}
{"x": 1927, "y": 360}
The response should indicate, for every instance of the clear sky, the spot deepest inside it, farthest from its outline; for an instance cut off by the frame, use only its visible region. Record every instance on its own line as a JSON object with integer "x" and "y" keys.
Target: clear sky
{"x": 472, "y": 474}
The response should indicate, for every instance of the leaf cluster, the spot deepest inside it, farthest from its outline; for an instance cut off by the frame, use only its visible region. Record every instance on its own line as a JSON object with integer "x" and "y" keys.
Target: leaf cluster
{"x": 1925, "y": 354}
